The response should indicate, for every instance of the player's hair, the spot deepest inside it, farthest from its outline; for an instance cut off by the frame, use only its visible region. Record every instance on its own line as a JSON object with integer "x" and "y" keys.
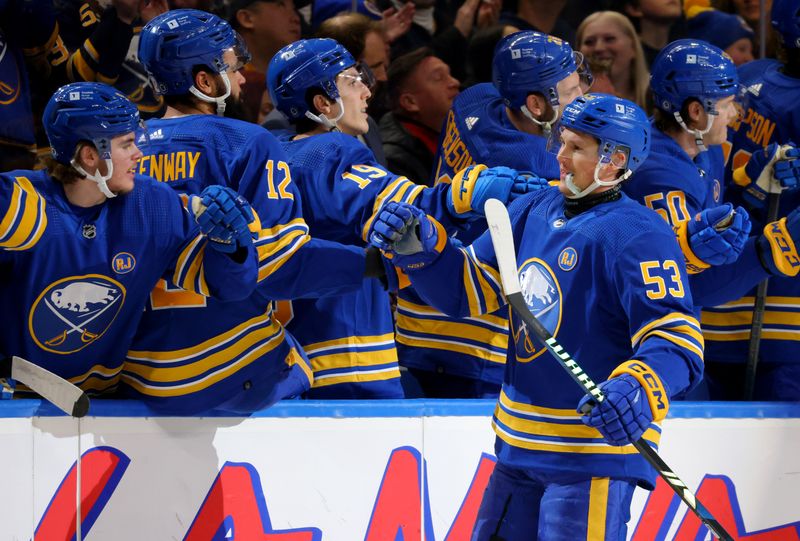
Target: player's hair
{"x": 305, "y": 124}
{"x": 666, "y": 122}
{"x": 60, "y": 172}
{"x": 350, "y": 30}
{"x": 400, "y": 70}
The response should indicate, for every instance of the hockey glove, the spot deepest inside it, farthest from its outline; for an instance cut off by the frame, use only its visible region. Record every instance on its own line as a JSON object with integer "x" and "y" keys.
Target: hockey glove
{"x": 776, "y": 247}
{"x": 526, "y": 182}
{"x": 223, "y": 217}
{"x": 407, "y": 236}
{"x": 476, "y": 184}
{"x": 634, "y": 398}
{"x": 770, "y": 170}
{"x": 716, "y": 236}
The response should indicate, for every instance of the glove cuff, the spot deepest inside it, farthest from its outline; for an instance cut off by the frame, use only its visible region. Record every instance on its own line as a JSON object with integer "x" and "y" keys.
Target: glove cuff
{"x": 694, "y": 265}
{"x": 462, "y": 188}
{"x": 657, "y": 395}
{"x": 741, "y": 178}
{"x": 785, "y": 258}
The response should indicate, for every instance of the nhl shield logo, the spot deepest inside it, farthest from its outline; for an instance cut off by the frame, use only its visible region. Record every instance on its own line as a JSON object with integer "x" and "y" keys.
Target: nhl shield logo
{"x": 73, "y": 312}
{"x": 542, "y": 294}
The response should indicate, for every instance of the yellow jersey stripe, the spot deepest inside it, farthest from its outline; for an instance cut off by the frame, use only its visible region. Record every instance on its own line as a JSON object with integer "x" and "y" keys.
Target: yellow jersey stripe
{"x": 265, "y": 251}
{"x": 280, "y": 229}
{"x": 539, "y": 411}
{"x": 388, "y": 193}
{"x": 598, "y": 509}
{"x": 500, "y": 323}
{"x": 451, "y": 345}
{"x": 351, "y": 359}
{"x": 544, "y": 428}
{"x": 556, "y": 447}
{"x": 454, "y": 329}
{"x": 265, "y": 270}
{"x": 682, "y": 342}
{"x": 210, "y": 379}
{"x": 28, "y": 214}
{"x": 204, "y": 347}
{"x": 349, "y": 342}
{"x": 357, "y": 377}
{"x": 669, "y": 319}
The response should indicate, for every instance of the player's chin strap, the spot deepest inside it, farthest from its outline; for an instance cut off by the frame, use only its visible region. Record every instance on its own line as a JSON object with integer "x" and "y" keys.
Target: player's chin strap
{"x": 220, "y": 100}
{"x": 100, "y": 180}
{"x": 698, "y": 134}
{"x": 325, "y": 121}
{"x": 577, "y": 193}
{"x": 546, "y": 125}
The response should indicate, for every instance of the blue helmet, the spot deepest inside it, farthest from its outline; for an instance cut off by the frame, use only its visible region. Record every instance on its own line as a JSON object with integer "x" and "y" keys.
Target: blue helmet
{"x": 304, "y": 64}
{"x": 689, "y": 68}
{"x": 173, "y": 43}
{"x": 617, "y": 123}
{"x": 93, "y": 112}
{"x": 786, "y": 20}
{"x": 528, "y": 61}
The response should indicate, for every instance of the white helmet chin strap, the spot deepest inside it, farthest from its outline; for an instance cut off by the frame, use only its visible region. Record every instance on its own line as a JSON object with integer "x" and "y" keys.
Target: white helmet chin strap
{"x": 546, "y": 125}
{"x": 698, "y": 134}
{"x": 325, "y": 121}
{"x": 577, "y": 193}
{"x": 220, "y": 101}
{"x": 100, "y": 180}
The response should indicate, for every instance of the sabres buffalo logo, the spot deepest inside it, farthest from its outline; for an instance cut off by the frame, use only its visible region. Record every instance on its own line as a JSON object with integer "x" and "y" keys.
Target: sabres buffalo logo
{"x": 74, "y": 312}
{"x": 542, "y": 294}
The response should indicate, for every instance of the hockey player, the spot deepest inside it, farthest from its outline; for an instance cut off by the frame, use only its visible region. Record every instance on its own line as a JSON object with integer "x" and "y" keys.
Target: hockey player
{"x": 350, "y": 339}
{"x": 192, "y": 354}
{"x": 506, "y": 122}
{"x": 694, "y": 85}
{"x": 771, "y": 119}
{"x": 84, "y": 242}
{"x": 560, "y": 475}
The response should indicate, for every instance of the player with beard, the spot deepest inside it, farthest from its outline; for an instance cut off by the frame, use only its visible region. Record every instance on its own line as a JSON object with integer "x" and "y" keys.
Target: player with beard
{"x": 191, "y": 355}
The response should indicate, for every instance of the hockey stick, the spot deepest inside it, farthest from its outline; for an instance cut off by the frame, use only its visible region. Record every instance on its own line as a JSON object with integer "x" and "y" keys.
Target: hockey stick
{"x": 55, "y": 389}
{"x": 503, "y": 241}
{"x": 754, "y": 344}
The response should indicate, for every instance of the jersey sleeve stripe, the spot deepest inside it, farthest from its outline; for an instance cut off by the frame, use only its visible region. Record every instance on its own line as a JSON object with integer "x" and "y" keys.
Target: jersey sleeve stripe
{"x": 392, "y": 192}
{"x": 670, "y": 319}
{"x": 26, "y": 218}
{"x": 186, "y": 259}
{"x": 678, "y": 340}
{"x": 277, "y": 261}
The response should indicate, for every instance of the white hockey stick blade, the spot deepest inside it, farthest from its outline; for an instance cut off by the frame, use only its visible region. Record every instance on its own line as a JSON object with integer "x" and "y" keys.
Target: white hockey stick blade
{"x": 503, "y": 240}
{"x": 61, "y": 393}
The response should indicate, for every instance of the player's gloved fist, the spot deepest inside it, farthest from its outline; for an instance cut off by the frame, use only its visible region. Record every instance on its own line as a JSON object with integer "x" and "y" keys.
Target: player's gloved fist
{"x": 715, "y": 236}
{"x": 407, "y": 236}
{"x": 223, "y": 216}
{"x": 770, "y": 170}
{"x": 475, "y": 185}
{"x": 526, "y": 182}
{"x": 624, "y": 415}
{"x": 777, "y": 247}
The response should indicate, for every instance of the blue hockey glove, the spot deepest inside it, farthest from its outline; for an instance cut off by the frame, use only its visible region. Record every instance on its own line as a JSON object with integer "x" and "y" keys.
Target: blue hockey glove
{"x": 776, "y": 247}
{"x": 475, "y": 185}
{"x": 526, "y": 182}
{"x": 407, "y": 236}
{"x": 716, "y": 236}
{"x": 770, "y": 170}
{"x": 223, "y": 216}
{"x": 624, "y": 415}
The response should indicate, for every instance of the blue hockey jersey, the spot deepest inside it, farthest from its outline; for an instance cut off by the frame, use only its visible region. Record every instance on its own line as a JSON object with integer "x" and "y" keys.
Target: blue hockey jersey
{"x": 477, "y": 130}
{"x": 194, "y": 354}
{"x": 350, "y": 338}
{"x": 75, "y": 280}
{"x": 772, "y": 115}
{"x": 638, "y": 306}
{"x": 674, "y": 185}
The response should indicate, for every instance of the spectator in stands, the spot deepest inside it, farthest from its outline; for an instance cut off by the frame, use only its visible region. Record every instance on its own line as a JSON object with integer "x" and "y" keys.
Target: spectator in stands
{"x": 363, "y": 38}
{"x": 608, "y": 37}
{"x": 421, "y": 91}
{"x": 448, "y": 38}
{"x": 729, "y": 32}
{"x": 657, "y": 22}
{"x": 265, "y": 26}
